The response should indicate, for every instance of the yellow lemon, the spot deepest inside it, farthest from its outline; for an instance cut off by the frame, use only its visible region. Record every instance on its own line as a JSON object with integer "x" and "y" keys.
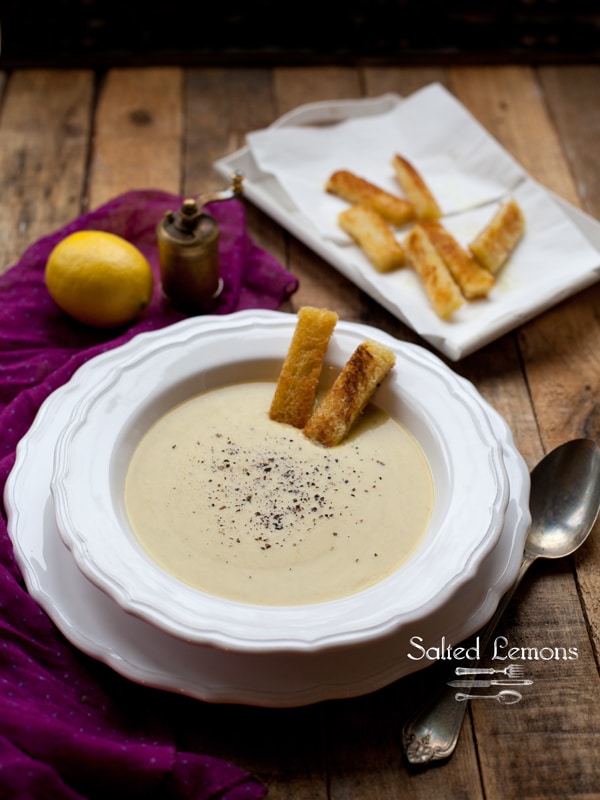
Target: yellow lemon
{"x": 99, "y": 278}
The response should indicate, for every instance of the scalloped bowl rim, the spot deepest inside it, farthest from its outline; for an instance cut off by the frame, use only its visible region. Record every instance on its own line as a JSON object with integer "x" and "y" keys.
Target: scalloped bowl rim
{"x": 123, "y": 392}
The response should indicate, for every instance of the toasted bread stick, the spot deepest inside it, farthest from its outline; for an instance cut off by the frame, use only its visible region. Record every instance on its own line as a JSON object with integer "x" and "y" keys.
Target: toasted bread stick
{"x": 416, "y": 190}
{"x": 356, "y": 190}
{"x": 493, "y": 245}
{"x": 473, "y": 280}
{"x": 333, "y": 417}
{"x": 437, "y": 280}
{"x": 296, "y": 387}
{"x": 374, "y": 236}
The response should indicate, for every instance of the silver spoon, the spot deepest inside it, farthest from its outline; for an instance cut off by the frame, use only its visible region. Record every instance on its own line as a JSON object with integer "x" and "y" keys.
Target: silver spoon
{"x": 564, "y": 503}
{"x": 506, "y": 697}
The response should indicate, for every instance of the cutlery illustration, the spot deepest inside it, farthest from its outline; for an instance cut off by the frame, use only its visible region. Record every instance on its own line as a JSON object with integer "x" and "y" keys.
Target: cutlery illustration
{"x": 506, "y": 698}
{"x": 512, "y": 671}
{"x": 482, "y": 684}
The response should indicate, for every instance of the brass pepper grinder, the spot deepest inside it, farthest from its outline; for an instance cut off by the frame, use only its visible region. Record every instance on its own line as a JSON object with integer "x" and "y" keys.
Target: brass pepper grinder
{"x": 188, "y": 247}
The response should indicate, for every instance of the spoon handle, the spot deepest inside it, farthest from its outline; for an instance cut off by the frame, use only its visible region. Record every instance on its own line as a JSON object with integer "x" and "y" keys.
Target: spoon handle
{"x": 505, "y": 698}
{"x": 461, "y": 696}
{"x": 432, "y": 733}
{"x": 474, "y": 671}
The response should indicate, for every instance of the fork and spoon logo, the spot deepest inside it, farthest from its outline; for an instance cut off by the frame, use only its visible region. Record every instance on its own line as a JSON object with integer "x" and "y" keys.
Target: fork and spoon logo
{"x": 513, "y": 677}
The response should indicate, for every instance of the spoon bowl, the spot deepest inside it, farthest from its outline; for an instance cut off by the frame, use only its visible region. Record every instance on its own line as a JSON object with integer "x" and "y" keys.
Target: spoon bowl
{"x": 564, "y": 499}
{"x": 507, "y": 697}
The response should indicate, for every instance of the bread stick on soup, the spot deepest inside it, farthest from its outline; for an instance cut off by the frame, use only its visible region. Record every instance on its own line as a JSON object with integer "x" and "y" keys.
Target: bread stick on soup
{"x": 416, "y": 189}
{"x": 356, "y": 190}
{"x": 439, "y": 284}
{"x": 296, "y": 387}
{"x": 374, "y": 237}
{"x": 493, "y": 245}
{"x": 333, "y": 417}
{"x": 473, "y": 280}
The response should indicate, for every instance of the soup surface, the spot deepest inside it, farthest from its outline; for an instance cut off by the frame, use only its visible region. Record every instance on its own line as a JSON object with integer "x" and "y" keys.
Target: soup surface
{"x": 242, "y": 507}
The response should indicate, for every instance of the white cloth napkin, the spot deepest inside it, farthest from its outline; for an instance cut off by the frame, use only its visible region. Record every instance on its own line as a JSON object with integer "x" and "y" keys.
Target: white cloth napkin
{"x": 462, "y": 164}
{"x": 469, "y": 173}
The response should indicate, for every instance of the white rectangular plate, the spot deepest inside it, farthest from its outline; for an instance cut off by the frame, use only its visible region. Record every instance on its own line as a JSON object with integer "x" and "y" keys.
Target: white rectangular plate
{"x": 558, "y": 256}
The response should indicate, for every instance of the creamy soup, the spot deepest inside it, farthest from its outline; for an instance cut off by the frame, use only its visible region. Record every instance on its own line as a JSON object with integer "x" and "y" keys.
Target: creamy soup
{"x": 242, "y": 507}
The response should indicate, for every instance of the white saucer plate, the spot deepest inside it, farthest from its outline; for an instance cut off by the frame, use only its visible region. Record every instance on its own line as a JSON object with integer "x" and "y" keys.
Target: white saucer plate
{"x": 139, "y": 650}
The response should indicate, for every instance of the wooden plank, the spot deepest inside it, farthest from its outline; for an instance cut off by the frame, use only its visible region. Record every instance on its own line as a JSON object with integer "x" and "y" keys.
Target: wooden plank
{"x": 544, "y": 775}
{"x": 402, "y": 80}
{"x": 547, "y": 734}
{"x": 295, "y": 86}
{"x": 564, "y": 388}
{"x": 138, "y": 133}
{"x": 222, "y": 105}
{"x": 303, "y": 751}
{"x": 320, "y": 283}
{"x": 573, "y": 96}
{"x": 43, "y": 154}
{"x": 366, "y": 759}
{"x": 496, "y": 371}
{"x": 351, "y": 749}
{"x": 508, "y": 102}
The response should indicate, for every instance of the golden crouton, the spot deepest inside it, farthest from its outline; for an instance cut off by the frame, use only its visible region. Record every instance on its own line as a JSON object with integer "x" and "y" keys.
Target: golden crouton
{"x": 355, "y": 190}
{"x": 374, "y": 236}
{"x": 416, "y": 190}
{"x": 437, "y": 280}
{"x": 473, "y": 280}
{"x": 296, "y": 387}
{"x": 493, "y": 245}
{"x": 351, "y": 391}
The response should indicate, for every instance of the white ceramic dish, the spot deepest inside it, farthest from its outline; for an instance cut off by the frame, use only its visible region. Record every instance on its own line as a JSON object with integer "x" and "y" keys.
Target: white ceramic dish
{"x": 141, "y": 652}
{"x": 123, "y": 394}
{"x": 546, "y": 272}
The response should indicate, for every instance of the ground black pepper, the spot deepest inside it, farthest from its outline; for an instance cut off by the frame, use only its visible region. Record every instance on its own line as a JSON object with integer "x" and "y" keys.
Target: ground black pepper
{"x": 284, "y": 488}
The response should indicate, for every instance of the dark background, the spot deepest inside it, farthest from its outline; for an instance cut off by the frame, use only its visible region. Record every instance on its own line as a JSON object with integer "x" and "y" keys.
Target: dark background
{"x": 86, "y": 32}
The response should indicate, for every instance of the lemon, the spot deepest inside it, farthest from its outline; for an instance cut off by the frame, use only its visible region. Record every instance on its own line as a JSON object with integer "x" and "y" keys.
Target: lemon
{"x": 99, "y": 278}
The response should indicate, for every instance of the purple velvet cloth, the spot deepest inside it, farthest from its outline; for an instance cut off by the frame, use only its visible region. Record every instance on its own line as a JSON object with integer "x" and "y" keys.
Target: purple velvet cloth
{"x": 69, "y": 727}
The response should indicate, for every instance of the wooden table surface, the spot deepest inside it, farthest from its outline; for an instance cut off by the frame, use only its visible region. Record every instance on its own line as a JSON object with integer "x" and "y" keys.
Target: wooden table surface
{"x": 72, "y": 139}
